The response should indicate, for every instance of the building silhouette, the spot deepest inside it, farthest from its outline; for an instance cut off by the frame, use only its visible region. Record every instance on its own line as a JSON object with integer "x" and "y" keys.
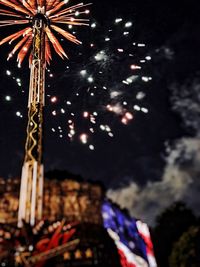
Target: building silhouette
{"x": 75, "y": 201}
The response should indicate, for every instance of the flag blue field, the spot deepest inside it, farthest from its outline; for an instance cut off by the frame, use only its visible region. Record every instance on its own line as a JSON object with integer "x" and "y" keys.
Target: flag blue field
{"x": 131, "y": 237}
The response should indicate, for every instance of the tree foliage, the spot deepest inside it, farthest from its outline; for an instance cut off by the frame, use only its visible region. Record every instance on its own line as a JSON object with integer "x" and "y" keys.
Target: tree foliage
{"x": 186, "y": 251}
{"x": 170, "y": 225}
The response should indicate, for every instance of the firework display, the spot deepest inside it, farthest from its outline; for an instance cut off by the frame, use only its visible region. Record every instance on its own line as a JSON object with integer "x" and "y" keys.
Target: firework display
{"x": 104, "y": 88}
{"x": 54, "y": 13}
{"x": 44, "y": 17}
{"x": 109, "y": 85}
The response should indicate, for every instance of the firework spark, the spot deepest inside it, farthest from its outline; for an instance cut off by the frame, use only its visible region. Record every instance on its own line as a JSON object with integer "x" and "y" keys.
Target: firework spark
{"x": 101, "y": 91}
{"x": 109, "y": 85}
{"x": 54, "y": 12}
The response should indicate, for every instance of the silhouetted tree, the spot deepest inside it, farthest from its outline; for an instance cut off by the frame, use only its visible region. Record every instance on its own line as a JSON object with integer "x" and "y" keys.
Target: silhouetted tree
{"x": 170, "y": 225}
{"x": 186, "y": 251}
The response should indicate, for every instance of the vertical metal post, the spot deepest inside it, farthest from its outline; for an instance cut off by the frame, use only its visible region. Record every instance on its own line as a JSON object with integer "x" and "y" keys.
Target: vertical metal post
{"x": 31, "y": 192}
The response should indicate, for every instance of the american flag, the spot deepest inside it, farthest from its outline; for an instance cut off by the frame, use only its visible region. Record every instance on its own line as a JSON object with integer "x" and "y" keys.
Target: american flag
{"x": 131, "y": 237}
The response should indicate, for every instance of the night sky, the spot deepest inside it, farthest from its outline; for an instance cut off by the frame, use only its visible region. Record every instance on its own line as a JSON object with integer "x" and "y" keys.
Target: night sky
{"x": 139, "y": 153}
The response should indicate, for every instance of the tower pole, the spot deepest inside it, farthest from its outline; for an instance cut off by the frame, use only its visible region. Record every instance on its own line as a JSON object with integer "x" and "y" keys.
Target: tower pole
{"x": 31, "y": 191}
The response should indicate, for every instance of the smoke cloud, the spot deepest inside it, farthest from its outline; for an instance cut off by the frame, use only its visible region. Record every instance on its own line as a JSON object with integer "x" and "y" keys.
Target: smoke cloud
{"x": 181, "y": 176}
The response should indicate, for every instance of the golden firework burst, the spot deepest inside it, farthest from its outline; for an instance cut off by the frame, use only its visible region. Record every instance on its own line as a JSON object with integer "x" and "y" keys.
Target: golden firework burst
{"x": 54, "y": 12}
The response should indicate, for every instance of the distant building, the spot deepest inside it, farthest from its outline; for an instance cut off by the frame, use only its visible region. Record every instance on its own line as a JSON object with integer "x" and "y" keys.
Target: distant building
{"x": 76, "y": 201}
{"x": 106, "y": 235}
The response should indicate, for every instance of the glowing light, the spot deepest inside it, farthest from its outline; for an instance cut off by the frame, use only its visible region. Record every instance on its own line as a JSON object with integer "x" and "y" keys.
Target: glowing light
{"x": 126, "y": 33}
{"x": 115, "y": 94}
{"x": 91, "y": 147}
{"x": 8, "y": 98}
{"x": 83, "y": 73}
{"x": 140, "y": 95}
{"x": 124, "y": 120}
{"x": 86, "y": 114}
{"x": 128, "y": 24}
{"x": 136, "y": 107}
{"x": 107, "y": 128}
{"x": 8, "y": 72}
{"x": 93, "y": 25}
{"x": 84, "y": 138}
{"x": 54, "y": 99}
{"x": 117, "y": 108}
{"x": 130, "y": 79}
{"x": 148, "y": 58}
{"x": 90, "y": 79}
{"x": 19, "y": 114}
{"x": 135, "y": 67}
{"x": 72, "y": 132}
{"x": 129, "y": 116}
{"x": 145, "y": 110}
{"x": 146, "y": 79}
{"x": 92, "y": 119}
{"x": 101, "y": 56}
{"x": 102, "y": 127}
{"x": 118, "y": 20}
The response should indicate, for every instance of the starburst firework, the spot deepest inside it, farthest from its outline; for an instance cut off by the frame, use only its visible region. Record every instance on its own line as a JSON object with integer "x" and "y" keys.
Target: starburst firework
{"x": 54, "y": 12}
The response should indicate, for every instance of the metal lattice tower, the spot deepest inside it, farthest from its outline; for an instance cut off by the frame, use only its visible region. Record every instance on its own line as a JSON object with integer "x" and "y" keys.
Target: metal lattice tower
{"x": 47, "y": 18}
{"x": 31, "y": 191}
